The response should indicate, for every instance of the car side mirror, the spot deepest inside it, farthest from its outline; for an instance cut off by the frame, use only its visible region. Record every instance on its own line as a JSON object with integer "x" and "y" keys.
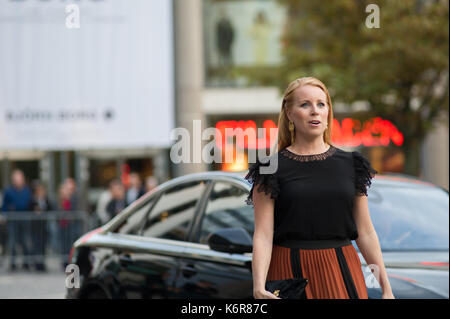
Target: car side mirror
{"x": 231, "y": 240}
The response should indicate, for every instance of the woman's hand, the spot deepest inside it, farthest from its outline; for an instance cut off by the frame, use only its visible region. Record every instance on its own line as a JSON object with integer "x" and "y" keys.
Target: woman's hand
{"x": 387, "y": 295}
{"x": 264, "y": 294}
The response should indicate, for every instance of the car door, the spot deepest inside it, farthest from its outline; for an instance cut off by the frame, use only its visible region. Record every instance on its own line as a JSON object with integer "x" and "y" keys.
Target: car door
{"x": 149, "y": 265}
{"x": 127, "y": 247}
{"x": 165, "y": 229}
{"x": 205, "y": 273}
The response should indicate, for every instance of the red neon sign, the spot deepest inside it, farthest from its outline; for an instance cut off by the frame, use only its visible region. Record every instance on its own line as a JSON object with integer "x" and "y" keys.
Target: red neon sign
{"x": 350, "y": 132}
{"x": 374, "y": 132}
{"x": 250, "y": 137}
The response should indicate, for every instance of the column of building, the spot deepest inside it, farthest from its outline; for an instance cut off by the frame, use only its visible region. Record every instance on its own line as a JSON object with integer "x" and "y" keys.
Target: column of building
{"x": 189, "y": 77}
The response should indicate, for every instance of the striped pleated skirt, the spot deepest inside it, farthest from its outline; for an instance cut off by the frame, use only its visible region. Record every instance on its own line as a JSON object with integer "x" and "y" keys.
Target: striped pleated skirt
{"x": 332, "y": 273}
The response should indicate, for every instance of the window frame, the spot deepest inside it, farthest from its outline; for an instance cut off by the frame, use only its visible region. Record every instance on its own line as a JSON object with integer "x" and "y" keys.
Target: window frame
{"x": 123, "y": 219}
{"x": 195, "y": 236}
{"x": 198, "y": 206}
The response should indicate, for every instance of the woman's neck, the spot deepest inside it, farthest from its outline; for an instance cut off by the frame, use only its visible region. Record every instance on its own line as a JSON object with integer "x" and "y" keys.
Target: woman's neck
{"x": 308, "y": 148}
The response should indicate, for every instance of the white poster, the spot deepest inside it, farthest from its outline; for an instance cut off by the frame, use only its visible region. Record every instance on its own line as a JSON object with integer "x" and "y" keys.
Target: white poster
{"x": 86, "y": 74}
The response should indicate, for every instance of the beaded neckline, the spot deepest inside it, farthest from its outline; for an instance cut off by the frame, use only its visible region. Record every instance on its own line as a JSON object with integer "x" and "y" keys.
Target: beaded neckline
{"x": 308, "y": 158}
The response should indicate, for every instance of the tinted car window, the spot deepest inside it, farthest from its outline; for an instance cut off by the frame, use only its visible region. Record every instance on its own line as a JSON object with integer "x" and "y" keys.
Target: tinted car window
{"x": 133, "y": 223}
{"x": 174, "y": 211}
{"x": 410, "y": 217}
{"x": 226, "y": 208}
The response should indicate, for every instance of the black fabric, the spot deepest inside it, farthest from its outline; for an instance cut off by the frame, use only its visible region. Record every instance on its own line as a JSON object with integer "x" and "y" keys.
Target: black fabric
{"x": 288, "y": 288}
{"x": 295, "y": 263}
{"x": 314, "y": 198}
{"x": 346, "y": 275}
{"x": 297, "y": 271}
{"x": 266, "y": 183}
{"x": 316, "y": 244}
{"x": 363, "y": 173}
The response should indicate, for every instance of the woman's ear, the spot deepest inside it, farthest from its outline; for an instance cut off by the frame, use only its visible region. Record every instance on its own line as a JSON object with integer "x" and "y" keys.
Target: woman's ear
{"x": 288, "y": 113}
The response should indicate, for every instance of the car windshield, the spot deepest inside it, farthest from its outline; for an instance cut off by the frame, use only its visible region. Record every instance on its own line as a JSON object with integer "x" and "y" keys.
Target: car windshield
{"x": 410, "y": 218}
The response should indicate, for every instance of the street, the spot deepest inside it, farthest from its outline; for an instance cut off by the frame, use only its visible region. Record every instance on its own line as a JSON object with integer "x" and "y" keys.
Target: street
{"x": 22, "y": 284}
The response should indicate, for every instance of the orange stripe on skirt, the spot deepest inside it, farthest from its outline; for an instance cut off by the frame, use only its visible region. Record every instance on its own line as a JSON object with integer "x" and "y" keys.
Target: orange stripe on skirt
{"x": 321, "y": 268}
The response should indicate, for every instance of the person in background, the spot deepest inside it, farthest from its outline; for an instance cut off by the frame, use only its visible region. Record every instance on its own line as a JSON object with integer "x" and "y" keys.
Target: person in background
{"x": 136, "y": 190}
{"x": 68, "y": 225}
{"x": 103, "y": 200}
{"x": 64, "y": 205}
{"x": 18, "y": 198}
{"x": 118, "y": 201}
{"x": 73, "y": 194}
{"x": 2, "y": 232}
{"x": 151, "y": 182}
{"x": 40, "y": 205}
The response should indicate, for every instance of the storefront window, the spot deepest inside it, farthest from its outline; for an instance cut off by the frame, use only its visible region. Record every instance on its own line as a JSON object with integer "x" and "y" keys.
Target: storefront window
{"x": 241, "y": 39}
{"x": 103, "y": 171}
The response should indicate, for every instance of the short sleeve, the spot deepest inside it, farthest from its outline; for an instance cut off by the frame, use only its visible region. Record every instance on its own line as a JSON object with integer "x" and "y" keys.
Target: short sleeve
{"x": 266, "y": 183}
{"x": 364, "y": 173}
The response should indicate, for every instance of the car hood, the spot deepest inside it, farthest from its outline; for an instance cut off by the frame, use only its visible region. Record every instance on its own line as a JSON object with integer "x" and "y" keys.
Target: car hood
{"x": 414, "y": 274}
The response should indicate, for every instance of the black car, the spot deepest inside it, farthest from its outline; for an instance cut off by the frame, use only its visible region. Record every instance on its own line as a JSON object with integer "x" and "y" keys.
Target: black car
{"x": 192, "y": 238}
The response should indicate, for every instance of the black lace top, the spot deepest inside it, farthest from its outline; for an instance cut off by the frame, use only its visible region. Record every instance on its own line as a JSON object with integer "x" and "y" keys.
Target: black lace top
{"x": 313, "y": 194}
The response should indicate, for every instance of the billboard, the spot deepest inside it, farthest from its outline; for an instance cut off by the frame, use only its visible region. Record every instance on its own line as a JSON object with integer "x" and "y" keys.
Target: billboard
{"x": 86, "y": 74}
{"x": 243, "y": 33}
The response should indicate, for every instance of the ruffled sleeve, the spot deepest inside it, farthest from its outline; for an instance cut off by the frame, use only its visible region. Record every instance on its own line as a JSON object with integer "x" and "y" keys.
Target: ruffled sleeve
{"x": 266, "y": 183}
{"x": 364, "y": 173}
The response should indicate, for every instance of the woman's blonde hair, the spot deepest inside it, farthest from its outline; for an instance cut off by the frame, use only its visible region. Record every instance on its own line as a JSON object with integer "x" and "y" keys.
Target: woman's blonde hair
{"x": 284, "y": 135}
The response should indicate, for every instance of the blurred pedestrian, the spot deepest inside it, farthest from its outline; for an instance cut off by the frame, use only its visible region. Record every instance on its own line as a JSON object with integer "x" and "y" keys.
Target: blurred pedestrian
{"x": 103, "y": 200}
{"x": 76, "y": 221}
{"x": 18, "y": 198}
{"x": 40, "y": 205}
{"x": 118, "y": 201}
{"x": 135, "y": 190}
{"x": 151, "y": 182}
{"x": 68, "y": 225}
{"x": 71, "y": 186}
{"x": 2, "y": 232}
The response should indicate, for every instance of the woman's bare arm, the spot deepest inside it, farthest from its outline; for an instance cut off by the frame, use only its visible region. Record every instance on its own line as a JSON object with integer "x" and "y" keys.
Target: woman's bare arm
{"x": 262, "y": 243}
{"x": 368, "y": 243}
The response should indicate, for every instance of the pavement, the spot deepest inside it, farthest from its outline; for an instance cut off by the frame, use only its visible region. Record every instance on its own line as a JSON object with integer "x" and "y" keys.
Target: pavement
{"x": 31, "y": 284}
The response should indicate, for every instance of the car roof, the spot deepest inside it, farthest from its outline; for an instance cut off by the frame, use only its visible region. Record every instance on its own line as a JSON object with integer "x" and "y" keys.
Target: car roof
{"x": 393, "y": 179}
{"x": 206, "y": 175}
{"x": 397, "y": 180}
{"x": 402, "y": 180}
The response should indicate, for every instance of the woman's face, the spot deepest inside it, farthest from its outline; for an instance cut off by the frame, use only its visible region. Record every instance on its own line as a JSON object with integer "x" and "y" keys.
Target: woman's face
{"x": 309, "y": 111}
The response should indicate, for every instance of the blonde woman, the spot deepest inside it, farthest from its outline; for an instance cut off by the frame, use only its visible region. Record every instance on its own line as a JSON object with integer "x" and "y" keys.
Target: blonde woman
{"x": 309, "y": 210}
